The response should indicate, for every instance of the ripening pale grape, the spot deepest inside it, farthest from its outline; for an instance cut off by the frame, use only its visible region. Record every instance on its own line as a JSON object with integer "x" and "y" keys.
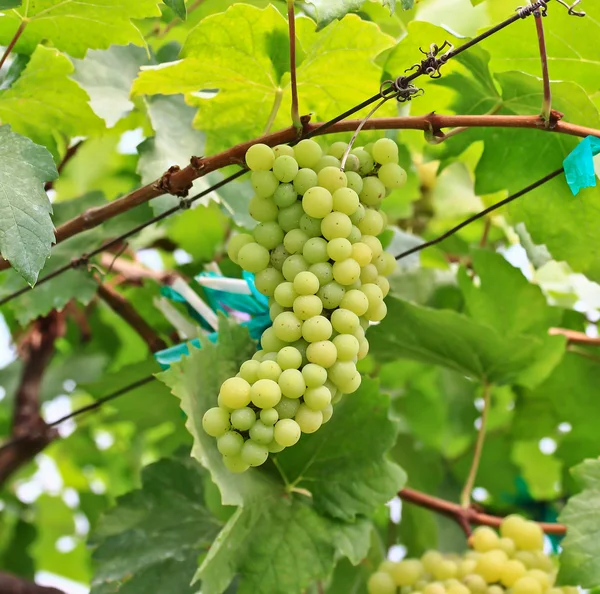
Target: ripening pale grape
{"x": 236, "y": 243}
{"x": 309, "y": 420}
{"x": 327, "y": 161}
{"x": 381, "y": 583}
{"x": 392, "y": 176}
{"x": 254, "y": 454}
{"x": 285, "y": 195}
{"x": 287, "y": 407}
{"x": 373, "y": 191}
{"x": 323, "y": 353}
{"x": 283, "y": 149}
{"x": 310, "y": 225}
{"x": 269, "y": 416}
{"x": 289, "y": 218}
{"x": 294, "y": 241}
{"x": 264, "y": 183}
{"x": 385, "y": 151}
{"x": 292, "y": 383}
{"x": 332, "y": 179}
{"x": 304, "y": 180}
{"x": 260, "y": 157}
{"x": 323, "y": 271}
{"x": 216, "y": 421}
{"x": 317, "y": 202}
{"x": 306, "y": 283}
{"x": 346, "y": 272}
{"x": 366, "y": 162}
{"x": 288, "y": 327}
{"x": 287, "y": 432}
{"x": 307, "y": 153}
{"x": 339, "y": 249}
{"x": 345, "y": 200}
{"x": 307, "y": 306}
{"x": 261, "y": 433}
{"x": 355, "y": 181}
{"x": 285, "y": 168}
{"x": 316, "y": 329}
{"x": 336, "y": 224}
{"x": 331, "y": 294}
{"x": 293, "y": 265}
{"x": 253, "y": 257}
{"x": 317, "y": 398}
{"x": 315, "y": 250}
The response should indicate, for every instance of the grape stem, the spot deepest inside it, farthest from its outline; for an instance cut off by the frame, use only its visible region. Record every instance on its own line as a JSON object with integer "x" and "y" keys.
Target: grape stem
{"x": 13, "y": 41}
{"x": 465, "y": 498}
{"x": 296, "y": 121}
{"x": 546, "y": 114}
{"x": 472, "y": 516}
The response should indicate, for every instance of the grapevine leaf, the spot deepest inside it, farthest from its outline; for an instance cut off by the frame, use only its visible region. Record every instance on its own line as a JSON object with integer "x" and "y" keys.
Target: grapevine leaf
{"x": 329, "y": 10}
{"x": 151, "y": 540}
{"x": 67, "y": 24}
{"x": 580, "y": 556}
{"x": 452, "y": 340}
{"x": 178, "y": 7}
{"x": 107, "y": 76}
{"x": 344, "y": 476}
{"x": 44, "y": 103}
{"x": 541, "y": 471}
{"x": 6, "y": 4}
{"x": 26, "y": 230}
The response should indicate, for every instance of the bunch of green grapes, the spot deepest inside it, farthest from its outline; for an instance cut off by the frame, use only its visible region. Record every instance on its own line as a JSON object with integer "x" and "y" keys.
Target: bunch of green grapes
{"x": 316, "y": 255}
{"x": 512, "y": 561}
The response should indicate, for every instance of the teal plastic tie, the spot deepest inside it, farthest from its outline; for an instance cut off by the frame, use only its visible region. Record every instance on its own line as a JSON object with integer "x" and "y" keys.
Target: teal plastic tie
{"x": 579, "y": 165}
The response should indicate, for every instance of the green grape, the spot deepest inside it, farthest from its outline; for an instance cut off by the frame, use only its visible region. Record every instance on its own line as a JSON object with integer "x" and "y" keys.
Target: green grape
{"x": 430, "y": 560}
{"x": 287, "y": 407}
{"x": 269, "y": 370}
{"x": 526, "y": 557}
{"x": 307, "y": 153}
{"x": 265, "y": 393}
{"x": 249, "y": 370}
{"x": 235, "y": 392}
{"x": 230, "y": 444}
{"x": 340, "y": 372}
{"x": 490, "y": 564}
{"x": 355, "y": 301}
{"x": 283, "y": 149}
{"x": 264, "y": 183}
{"x": 235, "y": 464}
{"x": 352, "y": 163}
{"x": 260, "y": 157}
{"x": 369, "y": 275}
{"x": 289, "y": 218}
{"x": 377, "y": 313}
{"x": 407, "y": 572}
{"x": 317, "y": 202}
{"x": 289, "y": 357}
{"x": 258, "y": 356}
{"x": 310, "y": 225}
{"x": 385, "y": 151}
{"x": 270, "y": 356}
{"x": 337, "y": 149}
{"x": 511, "y": 527}
{"x": 323, "y": 353}
{"x": 261, "y": 433}
{"x": 316, "y": 329}
{"x": 275, "y": 448}
{"x": 381, "y": 583}
{"x": 317, "y": 398}
{"x": 505, "y": 544}
{"x": 362, "y": 253}
{"x": 363, "y": 348}
{"x": 293, "y": 266}
{"x": 512, "y": 570}
{"x": 445, "y": 570}
{"x": 285, "y": 168}
{"x": 301, "y": 345}
{"x": 269, "y": 416}
{"x": 434, "y": 588}
{"x": 483, "y": 539}
{"x": 339, "y": 248}
{"x": 323, "y": 271}
{"x": 385, "y": 264}
{"x": 285, "y": 195}
{"x": 358, "y": 215}
{"x": 332, "y": 179}
{"x": 375, "y": 245}
{"x": 263, "y": 210}
{"x": 372, "y": 223}
{"x": 278, "y": 256}
{"x": 542, "y": 577}
{"x": 236, "y": 243}
{"x": 373, "y": 293}
{"x": 268, "y": 280}
{"x": 314, "y": 375}
{"x": 327, "y": 413}
{"x": 350, "y": 384}
{"x": 331, "y": 294}
{"x": 215, "y": 421}
{"x": 292, "y": 383}
{"x": 542, "y": 561}
{"x": 306, "y": 283}
{"x": 344, "y": 321}
{"x": 327, "y": 161}
{"x": 243, "y": 418}
{"x": 365, "y": 161}
{"x": 285, "y": 294}
{"x": 269, "y": 341}
{"x": 355, "y": 181}
{"x": 315, "y": 250}
{"x": 527, "y": 585}
{"x": 336, "y": 224}
{"x": 334, "y": 391}
{"x": 287, "y": 432}
{"x": 346, "y": 272}
{"x": 288, "y": 327}
{"x": 253, "y": 257}
{"x": 305, "y": 180}
{"x": 384, "y": 284}
{"x": 307, "y": 306}
{"x": 392, "y": 176}
{"x": 355, "y": 235}
{"x": 475, "y": 583}
{"x": 466, "y": 567}
{"x": 254, "y": 454}
{"x": 294, "y": 241}
{"x": 457, "y": 589}
{"x": 347, "y": 347}
{"x": 308, "y": 420}
{"x": 530, "y": 537}
{"x": 373, "y": 191}
{"x": 269, "y": 235}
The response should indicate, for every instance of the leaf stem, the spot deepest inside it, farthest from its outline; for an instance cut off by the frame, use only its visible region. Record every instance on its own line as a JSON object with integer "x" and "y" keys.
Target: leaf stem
{"x": 547, "y": 101}
{"x": 296, "y": 122}
{"x": 13, "y": 41}
{"x": 575, "y": 337}
{"x": 465, "y": 498}
{"x": 274, "y": 110}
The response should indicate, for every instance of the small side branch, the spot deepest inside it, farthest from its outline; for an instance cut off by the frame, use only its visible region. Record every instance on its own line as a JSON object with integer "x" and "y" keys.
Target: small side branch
{"x": 13, "y": 42}
{"x": 295, "y": 106}
{"x": 574, "y": 337}
{"x": 71, "y": 152}
{"x": 128, "y": 313}
{"x": 547, "y": 101}
{"x": 455, "y": 511}
{"x": 11, "y": 584}
{"x": 465, "y": 498}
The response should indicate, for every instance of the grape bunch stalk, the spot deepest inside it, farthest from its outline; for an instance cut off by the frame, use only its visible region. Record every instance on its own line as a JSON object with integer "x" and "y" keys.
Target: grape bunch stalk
{"x": 512, "y": 561}
{"x": 315, "y": 253}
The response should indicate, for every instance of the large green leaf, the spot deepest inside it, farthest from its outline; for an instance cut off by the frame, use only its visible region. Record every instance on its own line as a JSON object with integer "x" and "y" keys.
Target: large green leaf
{"x": 76, "y": 26}
{"x": 452, "y": 340}
{"x": 580, "y": 556}
{"x": 239, "y": 81}
{"x": 151, "y": 540}
{"x": 26, "y": 230}
{"x": 178, "y": 7}
{"x": 328, "y": 10}
{"x": 45, "y": 104}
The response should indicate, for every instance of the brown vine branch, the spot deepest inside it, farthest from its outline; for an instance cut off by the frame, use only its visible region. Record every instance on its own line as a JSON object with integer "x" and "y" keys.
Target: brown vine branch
{"x": 71, "y": 152}
{"x": 547, "y": 101}
{"x": 28, "y": 426}
{"x": 179, "y": 181}
{"x": 574, "y": 337}
{"x": 455, "y": 511}
{"x": 465, "y": 498}
{"x": 296, "y": 122}
{"x": 13, "y": 41}
{"x": 11, "y": 584}
{"x": 119, "y": 304}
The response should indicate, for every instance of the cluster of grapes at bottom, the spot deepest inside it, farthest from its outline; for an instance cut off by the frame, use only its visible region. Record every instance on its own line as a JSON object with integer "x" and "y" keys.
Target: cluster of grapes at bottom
{"x": 316, "y": 254}
{"x": 512, "y": 561}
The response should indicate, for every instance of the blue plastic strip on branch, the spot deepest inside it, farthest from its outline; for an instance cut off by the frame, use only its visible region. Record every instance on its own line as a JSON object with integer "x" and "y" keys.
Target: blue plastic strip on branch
{"x": 579, "y": 165}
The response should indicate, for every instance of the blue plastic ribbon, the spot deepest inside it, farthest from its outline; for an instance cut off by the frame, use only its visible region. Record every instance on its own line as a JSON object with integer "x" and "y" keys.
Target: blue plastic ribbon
{"x": 579, "y": 165}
